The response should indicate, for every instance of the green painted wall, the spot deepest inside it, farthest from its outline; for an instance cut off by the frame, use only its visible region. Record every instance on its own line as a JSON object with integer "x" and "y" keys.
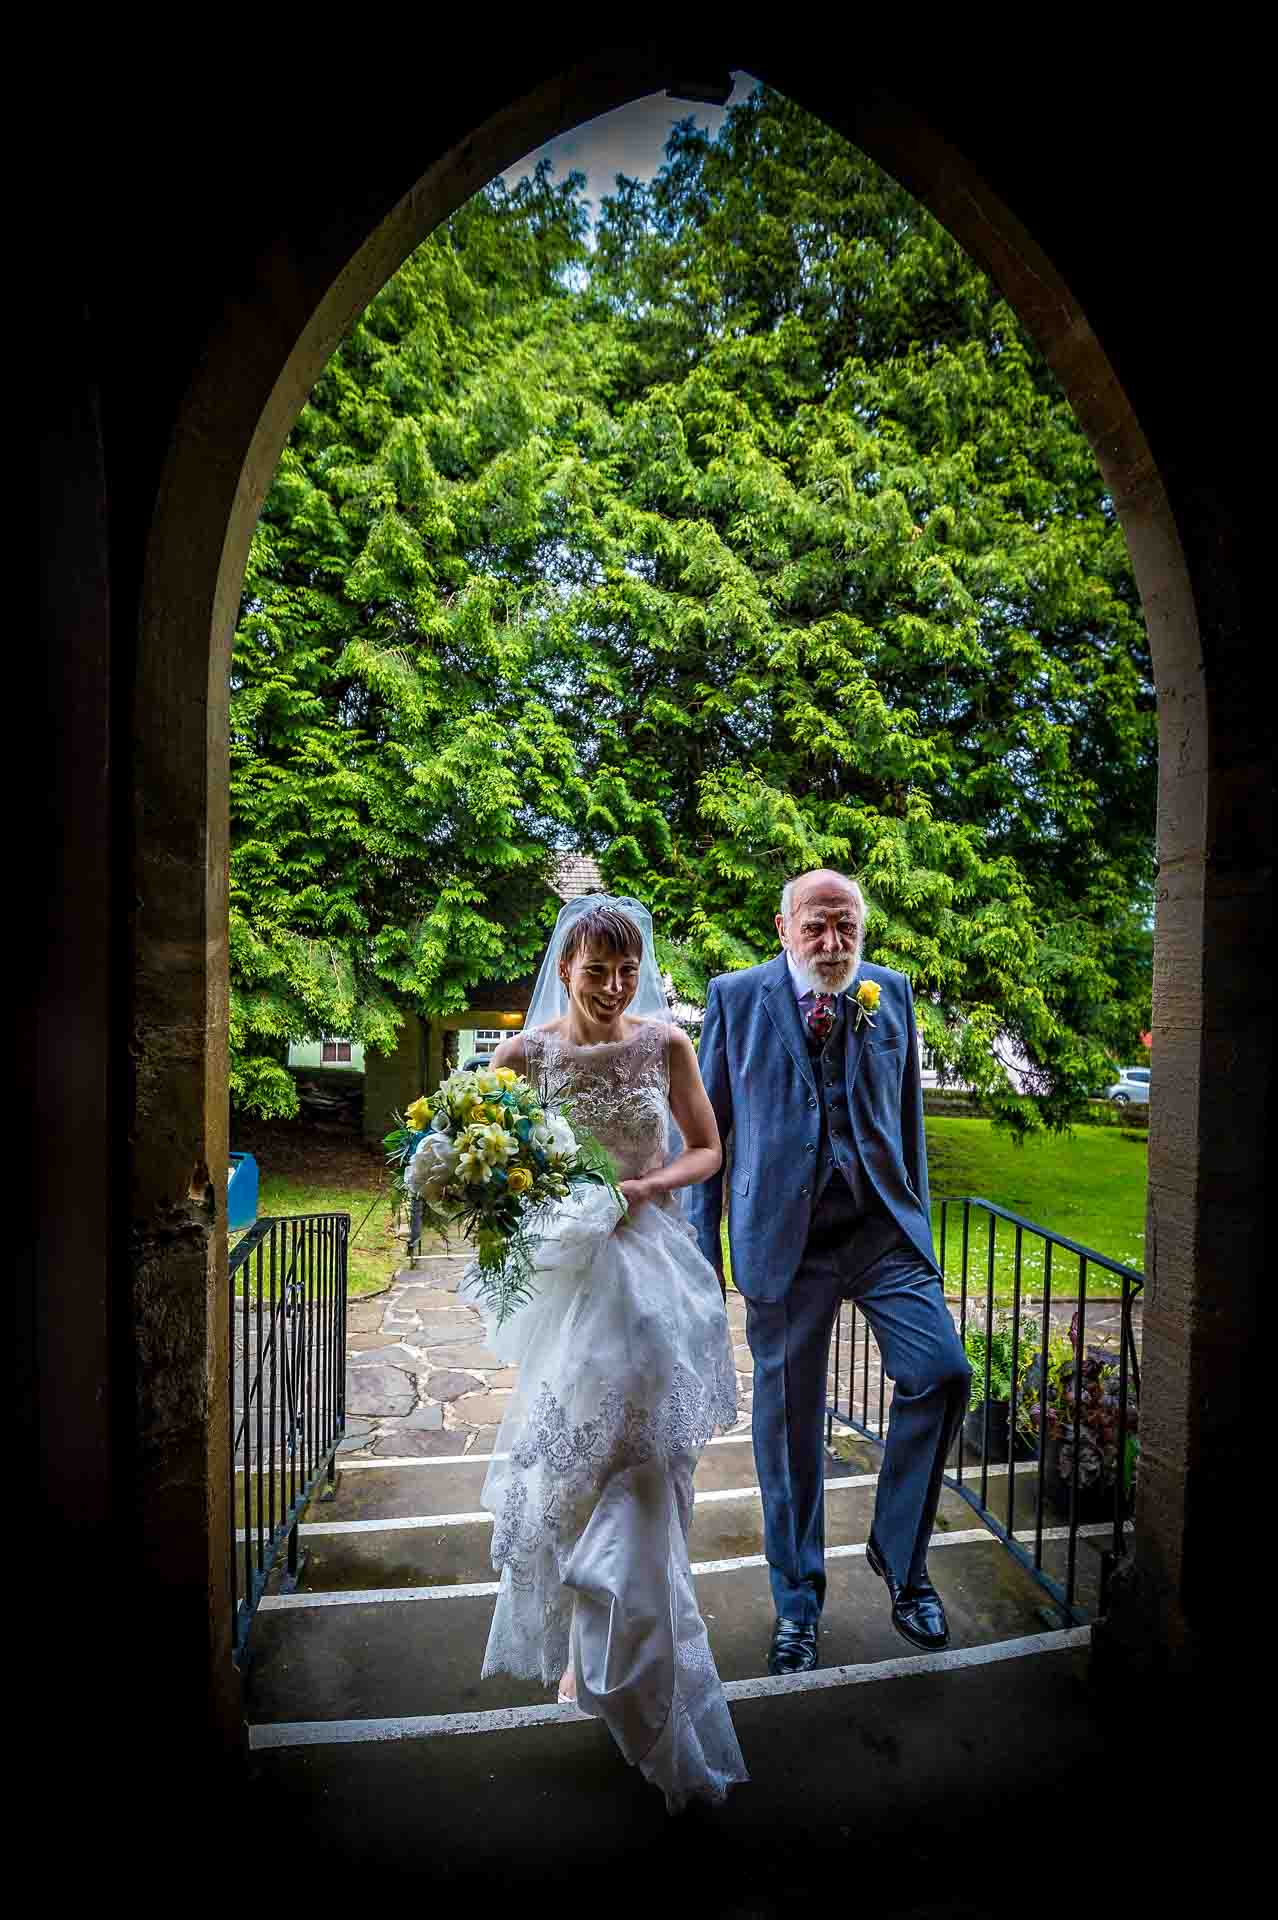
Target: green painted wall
{"x": 467, "y": 1039}
{"x": 310, "y": 1053}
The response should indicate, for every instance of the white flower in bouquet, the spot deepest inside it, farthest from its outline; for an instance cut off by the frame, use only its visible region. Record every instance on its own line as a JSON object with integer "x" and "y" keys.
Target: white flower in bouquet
{"x": 555, "y": 1138}
{"x": 432, "y": 1166}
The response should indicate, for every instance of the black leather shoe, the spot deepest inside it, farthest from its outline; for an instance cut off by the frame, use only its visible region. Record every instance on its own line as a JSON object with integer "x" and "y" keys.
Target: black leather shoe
{"x": 794, "y": 1647}
{"x": 917, "y": 1612}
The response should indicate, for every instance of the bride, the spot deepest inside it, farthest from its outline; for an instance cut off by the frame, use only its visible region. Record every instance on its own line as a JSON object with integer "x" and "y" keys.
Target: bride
{"x": 625, "y": 1371}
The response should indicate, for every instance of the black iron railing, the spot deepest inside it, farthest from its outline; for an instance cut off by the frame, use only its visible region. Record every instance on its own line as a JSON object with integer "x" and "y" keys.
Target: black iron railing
{"x": 288, "y": 1390}
{"x": 1053, "y": 1420}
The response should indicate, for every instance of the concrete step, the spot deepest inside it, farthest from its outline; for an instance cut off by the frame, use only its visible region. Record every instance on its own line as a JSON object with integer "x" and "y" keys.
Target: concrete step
{"x": 918, "y": 1793}
{"x": 344, "y": 1658}
{"x": 377, "y": 1490}
{"x": 349, "y": 1547}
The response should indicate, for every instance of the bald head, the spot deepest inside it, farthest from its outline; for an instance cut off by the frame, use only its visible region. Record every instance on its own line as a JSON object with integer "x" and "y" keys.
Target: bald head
{"x": 823, "y": 883}
{"x": 822, "y": 927}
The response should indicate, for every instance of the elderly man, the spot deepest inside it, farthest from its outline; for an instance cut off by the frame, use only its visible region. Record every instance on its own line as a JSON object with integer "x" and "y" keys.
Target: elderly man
{"x": 811, "y": 1064}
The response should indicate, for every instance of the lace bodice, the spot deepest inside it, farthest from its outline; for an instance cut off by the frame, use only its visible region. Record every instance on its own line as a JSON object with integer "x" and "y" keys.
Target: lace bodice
{"x": 617, "y": 1090}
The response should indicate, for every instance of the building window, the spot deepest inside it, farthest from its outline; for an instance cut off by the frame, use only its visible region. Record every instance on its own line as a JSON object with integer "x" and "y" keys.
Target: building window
{"x": 335, "y": 1051}
{"x": 488, "y": 1039}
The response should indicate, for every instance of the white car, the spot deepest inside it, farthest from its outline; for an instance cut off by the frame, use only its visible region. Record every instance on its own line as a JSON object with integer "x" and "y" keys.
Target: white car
{"x": 1131, "y": 1086}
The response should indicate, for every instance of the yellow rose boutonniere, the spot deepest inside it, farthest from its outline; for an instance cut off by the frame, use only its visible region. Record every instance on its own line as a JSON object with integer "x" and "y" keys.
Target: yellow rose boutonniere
{"x": 519, "y": 1180}
{"x": 867, "y": 1002}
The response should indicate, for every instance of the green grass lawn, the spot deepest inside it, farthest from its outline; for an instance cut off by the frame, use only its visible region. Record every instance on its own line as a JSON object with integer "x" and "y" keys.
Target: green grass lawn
{"x": 1088, "y": 1185}
{"x": 375, "y": 1252}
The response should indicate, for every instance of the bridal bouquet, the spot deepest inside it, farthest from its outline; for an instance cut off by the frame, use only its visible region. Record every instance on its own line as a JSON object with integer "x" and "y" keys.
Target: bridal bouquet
{"x": 488, "y": 1155}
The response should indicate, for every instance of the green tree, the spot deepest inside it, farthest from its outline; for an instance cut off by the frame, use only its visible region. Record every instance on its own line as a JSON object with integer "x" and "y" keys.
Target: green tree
{"x": 861, "y": 599}
{"x": 399, "y": 766}
{"x": 758, "y": 538}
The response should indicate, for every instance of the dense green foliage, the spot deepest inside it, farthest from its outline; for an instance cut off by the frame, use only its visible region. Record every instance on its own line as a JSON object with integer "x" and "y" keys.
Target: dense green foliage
{"x": 756, "y": 539}
{"x": 399, "y": 757}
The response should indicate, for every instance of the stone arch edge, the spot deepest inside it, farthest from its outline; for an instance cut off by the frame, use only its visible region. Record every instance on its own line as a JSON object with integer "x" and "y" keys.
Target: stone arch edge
{"x": 252, "y": 380}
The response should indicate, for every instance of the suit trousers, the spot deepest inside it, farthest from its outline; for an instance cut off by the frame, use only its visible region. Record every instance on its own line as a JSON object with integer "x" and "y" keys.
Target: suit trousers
{"x": 903, "y": 1301}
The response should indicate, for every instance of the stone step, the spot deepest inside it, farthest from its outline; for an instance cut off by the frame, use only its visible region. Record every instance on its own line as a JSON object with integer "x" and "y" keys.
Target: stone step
{"x": 376, "y": 1489}
{"x": 338, "y": 1657}
{"x": 453, "y": 1548}
{"x": 449, "y": 1555}
{"x": 894, "y": 1790}
{"x": 381, "y": 1491}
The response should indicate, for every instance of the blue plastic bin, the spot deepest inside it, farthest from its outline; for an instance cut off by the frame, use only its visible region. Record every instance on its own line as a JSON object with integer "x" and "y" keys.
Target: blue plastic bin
{"x": 241, "y": 1191}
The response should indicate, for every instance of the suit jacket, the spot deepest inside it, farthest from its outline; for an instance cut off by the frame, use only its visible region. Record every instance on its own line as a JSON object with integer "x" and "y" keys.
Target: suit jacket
{"x": 762, "y": 1085}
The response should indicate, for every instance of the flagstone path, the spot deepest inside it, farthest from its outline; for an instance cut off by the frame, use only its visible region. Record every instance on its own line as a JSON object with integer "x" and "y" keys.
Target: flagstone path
{"x": 420, "y": 1380}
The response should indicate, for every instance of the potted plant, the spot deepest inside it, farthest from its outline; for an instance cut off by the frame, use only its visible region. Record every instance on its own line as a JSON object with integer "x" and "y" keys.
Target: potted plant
{"x": 986, "y": 1423}
{"x": 1053, "y": 1383}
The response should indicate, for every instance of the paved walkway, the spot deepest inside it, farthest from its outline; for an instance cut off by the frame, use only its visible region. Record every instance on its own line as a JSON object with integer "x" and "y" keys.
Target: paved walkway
{"x": 420, "y": 1380}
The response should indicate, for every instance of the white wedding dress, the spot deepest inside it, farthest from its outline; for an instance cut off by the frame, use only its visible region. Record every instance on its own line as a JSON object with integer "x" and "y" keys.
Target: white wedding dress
{"x": 625, "y": 1371}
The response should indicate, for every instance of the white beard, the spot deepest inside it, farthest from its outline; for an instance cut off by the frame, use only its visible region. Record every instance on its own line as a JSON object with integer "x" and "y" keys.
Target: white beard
{"x": 833, "y": 982}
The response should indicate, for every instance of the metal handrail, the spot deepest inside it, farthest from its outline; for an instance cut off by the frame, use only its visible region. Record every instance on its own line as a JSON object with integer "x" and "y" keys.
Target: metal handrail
{"x": 1021, "y": 1419}
{"x": 288, "y": 1329}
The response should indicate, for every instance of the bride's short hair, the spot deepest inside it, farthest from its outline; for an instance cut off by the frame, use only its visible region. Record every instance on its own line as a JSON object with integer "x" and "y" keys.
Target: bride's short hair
{"x": 603, "y": 927}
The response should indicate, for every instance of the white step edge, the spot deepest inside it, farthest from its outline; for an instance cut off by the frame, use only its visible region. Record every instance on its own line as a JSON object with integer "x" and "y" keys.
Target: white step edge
{"x": 485, "y": 1589}
{"x": 334, "y": 1733}
{"x": 409, "y": 1523}
{"x": 468, "y": 1459}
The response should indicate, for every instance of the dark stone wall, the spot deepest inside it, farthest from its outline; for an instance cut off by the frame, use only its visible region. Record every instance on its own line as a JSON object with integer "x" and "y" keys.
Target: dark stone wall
{"x": 214, "y": 229}
{"x": 74, "y": 1364}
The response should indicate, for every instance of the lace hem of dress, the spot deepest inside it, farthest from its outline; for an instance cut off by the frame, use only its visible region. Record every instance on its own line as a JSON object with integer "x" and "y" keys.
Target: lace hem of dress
{"x": 576, "y": 1459}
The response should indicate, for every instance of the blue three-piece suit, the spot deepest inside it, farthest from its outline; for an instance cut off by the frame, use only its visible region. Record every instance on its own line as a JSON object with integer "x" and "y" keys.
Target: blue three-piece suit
{"x": 826, "y": 1171}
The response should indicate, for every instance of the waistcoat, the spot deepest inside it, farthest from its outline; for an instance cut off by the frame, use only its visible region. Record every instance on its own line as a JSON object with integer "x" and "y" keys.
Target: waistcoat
{"x": 837, "y": 1152}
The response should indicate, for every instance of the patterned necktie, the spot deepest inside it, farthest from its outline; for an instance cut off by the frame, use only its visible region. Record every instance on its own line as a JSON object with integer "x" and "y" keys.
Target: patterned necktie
{"x": 820, "y": 1017}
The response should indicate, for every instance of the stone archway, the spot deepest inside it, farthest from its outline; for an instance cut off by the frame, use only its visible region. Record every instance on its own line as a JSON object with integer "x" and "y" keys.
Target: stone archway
{"x": 262, "y": 349}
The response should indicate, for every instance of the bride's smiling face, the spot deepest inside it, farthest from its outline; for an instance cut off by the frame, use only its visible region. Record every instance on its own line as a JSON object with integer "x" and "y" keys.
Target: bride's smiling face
{"x": 601, "y": 984}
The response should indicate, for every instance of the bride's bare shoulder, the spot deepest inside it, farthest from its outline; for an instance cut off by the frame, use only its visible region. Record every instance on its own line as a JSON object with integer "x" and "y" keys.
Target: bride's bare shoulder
{"x": 510, "y": 1053}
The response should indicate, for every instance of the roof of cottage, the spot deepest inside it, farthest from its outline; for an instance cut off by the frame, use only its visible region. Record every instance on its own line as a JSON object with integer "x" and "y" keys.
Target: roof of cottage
{"x": 573, "y": 874}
